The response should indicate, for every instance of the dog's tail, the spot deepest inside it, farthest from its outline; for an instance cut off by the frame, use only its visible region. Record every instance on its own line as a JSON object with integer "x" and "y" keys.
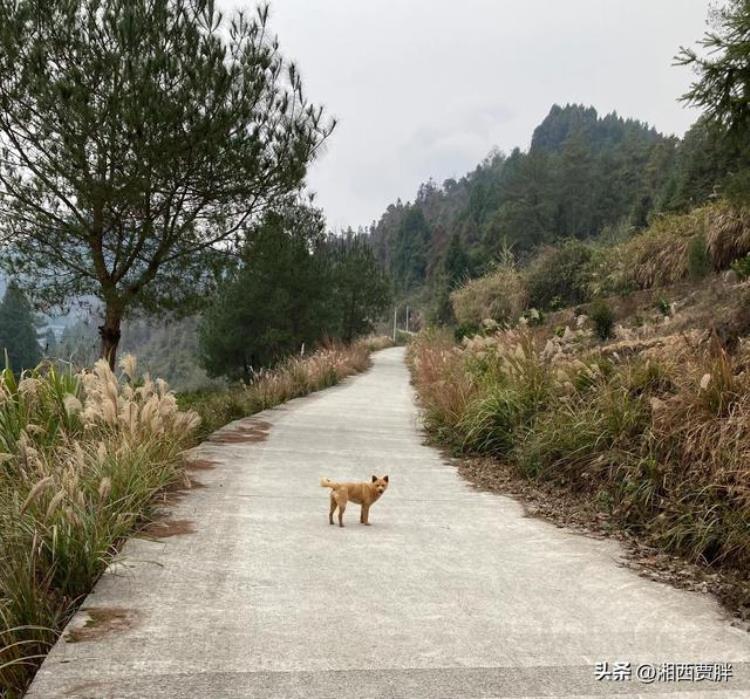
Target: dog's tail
{"x": 327, "y": 483}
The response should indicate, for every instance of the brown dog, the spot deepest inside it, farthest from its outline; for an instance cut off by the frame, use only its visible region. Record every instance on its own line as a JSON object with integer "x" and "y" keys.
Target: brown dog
{"x": 364, "y": 494}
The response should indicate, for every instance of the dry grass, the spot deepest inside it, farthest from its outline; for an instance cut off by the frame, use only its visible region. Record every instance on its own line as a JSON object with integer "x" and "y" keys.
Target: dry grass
{"x": 660, "y": 255}
{"x": 83, "y": 456}
{"x": 500, "y": 296}
{"x": 295, "y": 377}
{"x": 658, "y": 439}
{"x": 728, "y": 235}
{"x": 82, "y": 459}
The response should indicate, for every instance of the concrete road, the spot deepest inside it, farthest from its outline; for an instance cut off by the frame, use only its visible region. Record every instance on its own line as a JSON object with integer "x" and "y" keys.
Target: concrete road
{"x": 450, "y": 593}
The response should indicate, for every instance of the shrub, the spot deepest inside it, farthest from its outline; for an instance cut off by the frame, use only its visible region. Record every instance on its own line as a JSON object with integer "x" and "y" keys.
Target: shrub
{"x": 603, "y": 318}
{"x": 500, "y": 296}
{"x": 664, "y": 306}
{"x": 741, "y": 267}
{"x": 675, "y": 247}
{"x": 728, "y": 235}
{"x": 466, "y": 330}
{"x": 560, "y": 276}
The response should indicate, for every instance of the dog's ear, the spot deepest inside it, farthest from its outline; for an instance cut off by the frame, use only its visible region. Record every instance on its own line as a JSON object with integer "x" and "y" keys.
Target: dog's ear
{"x": 385, "y": 478}
{"x": 374, "y": 478}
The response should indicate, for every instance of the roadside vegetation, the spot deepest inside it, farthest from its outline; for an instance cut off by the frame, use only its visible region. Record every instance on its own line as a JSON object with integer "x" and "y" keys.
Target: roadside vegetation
{"x": 674, "y": 248}
{"x": 646, "y": 420}
{"x": 292, "y": 378}
{"x": 83, "y": 459}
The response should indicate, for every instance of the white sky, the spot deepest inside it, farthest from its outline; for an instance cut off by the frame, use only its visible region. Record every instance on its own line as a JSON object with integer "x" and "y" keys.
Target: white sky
{"x": 425, "y": 88}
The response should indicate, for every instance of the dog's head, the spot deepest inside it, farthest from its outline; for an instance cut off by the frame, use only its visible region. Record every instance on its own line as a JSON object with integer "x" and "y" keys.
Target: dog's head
{"x": 380, "y": 484}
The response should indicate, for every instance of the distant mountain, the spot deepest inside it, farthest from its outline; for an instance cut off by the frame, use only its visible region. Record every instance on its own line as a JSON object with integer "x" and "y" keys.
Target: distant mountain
{"x": 582, "y": 175}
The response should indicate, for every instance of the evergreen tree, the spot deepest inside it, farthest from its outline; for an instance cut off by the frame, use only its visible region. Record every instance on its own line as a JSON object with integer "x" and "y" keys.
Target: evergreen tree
{"x": 360, "y": 291}
{"x": 722, "y": 89}
{"x": 456, "y": 263}
{"x": 410, "y": 246}
{"x": 140, "y": 140}
{"x": 294, "y": 286}
{"x": 274, "y": 302}
{"x": 17, "y": 330}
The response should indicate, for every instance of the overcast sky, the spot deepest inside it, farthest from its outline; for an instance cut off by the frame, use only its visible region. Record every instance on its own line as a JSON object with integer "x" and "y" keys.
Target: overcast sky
{"x": 425, "y": 88}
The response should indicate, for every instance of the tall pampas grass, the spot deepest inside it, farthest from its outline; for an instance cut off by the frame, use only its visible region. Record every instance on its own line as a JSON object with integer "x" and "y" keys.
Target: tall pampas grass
{"x": 295, "y": 377}
{"x": 660, "y": 438}
{"x": 660, "y": 255}
{"x": 82, "y": 457}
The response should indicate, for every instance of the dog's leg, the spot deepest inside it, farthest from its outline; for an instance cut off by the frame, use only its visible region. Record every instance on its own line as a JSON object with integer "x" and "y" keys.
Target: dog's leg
{"x": 341, "y": 498}
{"x": 333, "y": 508}
{"x": 364, "y": 514}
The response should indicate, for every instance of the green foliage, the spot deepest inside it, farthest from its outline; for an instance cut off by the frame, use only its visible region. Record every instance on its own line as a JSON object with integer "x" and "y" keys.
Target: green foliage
{"x": 410, "y": 242}
{"x": 18, "y": 338}
{"x": 741, "y": 267}
{"x": 467, "y": 330}
{"x": 490, "y": 422}
{"x": 295, "y": 287}
{"x": 603, "y": 318}
{"x": 358, "y": 290}
{"x": 664, "y": 306}
{"x": 560, "y": 276}
{"x": 723, "y": 82}
{"x": 141, "y": 138}
{"x": 707, "y": 162}
{"x": 591, "y": 436}
{"x": 698, "y": 260}
{"x": 274, "y": 302}
{"x": 721, "y": 88}
{"x": 441, "y": 311}
{"x": 533, "y": 316}
{"x": 456, "y": 263}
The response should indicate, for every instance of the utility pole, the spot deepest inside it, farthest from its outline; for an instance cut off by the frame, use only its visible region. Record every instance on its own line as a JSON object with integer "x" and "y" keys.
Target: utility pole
{"x": 395, "y": 318}
{"x": 407, "y": 318}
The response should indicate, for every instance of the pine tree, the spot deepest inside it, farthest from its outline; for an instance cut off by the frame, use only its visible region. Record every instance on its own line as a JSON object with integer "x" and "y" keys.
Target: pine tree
{"x": 141, "y": 138}
{"x": 278, "y": 299}
{"x": 360, "y": 291}
{"x": 456, "y": 263}
{"x": 722, "y": 87}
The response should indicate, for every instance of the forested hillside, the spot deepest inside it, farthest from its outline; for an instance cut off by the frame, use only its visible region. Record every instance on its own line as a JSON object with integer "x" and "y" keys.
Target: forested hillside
{"x": 583, "y": 176}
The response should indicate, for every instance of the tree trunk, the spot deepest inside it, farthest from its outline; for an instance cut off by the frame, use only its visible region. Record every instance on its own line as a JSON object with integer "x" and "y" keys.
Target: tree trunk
{"x": 110, "y": 334}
